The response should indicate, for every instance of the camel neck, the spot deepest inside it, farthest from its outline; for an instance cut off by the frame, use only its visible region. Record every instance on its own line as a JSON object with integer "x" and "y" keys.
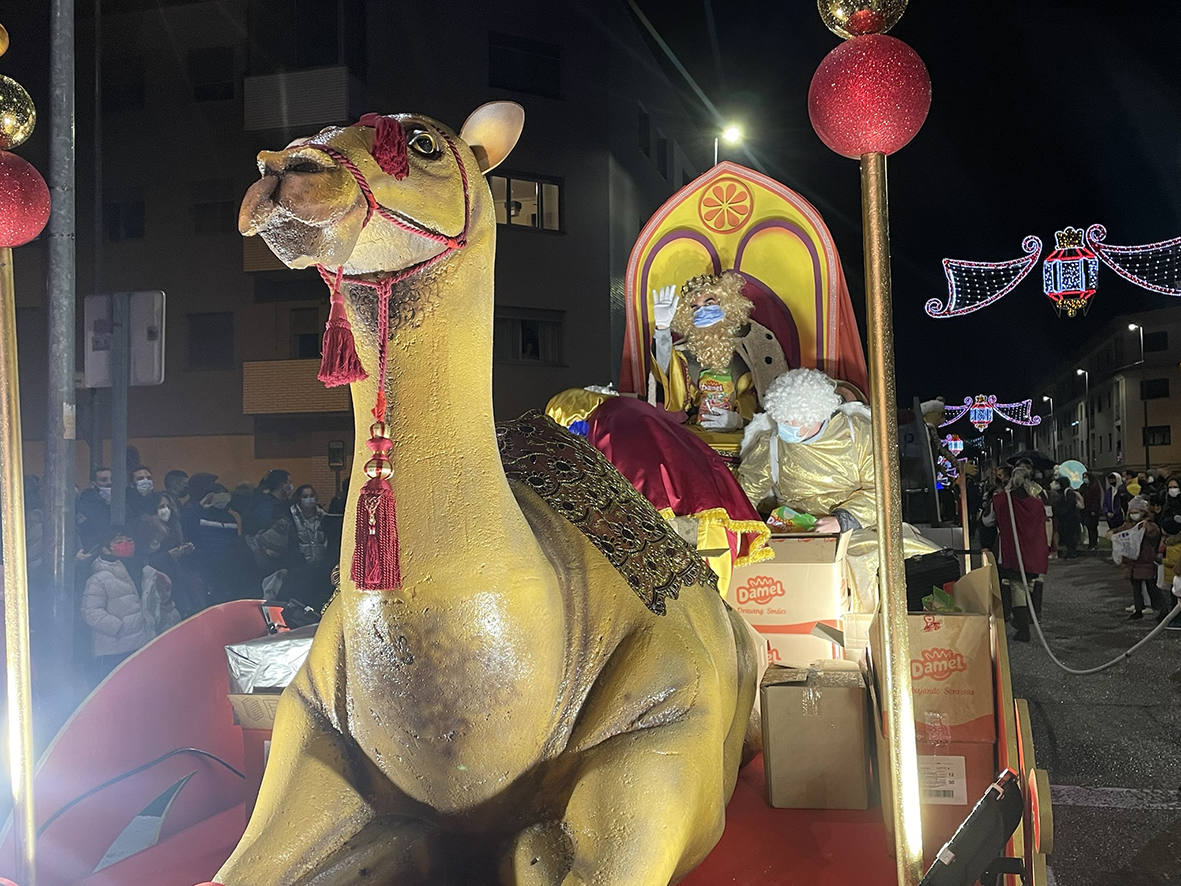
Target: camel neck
{"x": 455, "y": 509}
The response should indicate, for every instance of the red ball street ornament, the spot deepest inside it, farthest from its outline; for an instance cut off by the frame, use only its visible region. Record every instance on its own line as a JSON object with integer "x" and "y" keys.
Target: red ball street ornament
{"x": 24, "y": 200}
{"x": 869, "y": 95}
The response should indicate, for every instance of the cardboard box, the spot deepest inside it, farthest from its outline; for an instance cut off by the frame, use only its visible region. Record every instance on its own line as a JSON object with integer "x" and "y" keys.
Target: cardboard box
{"x": 951, "y": 674}
{"x": 816, "y": 737}
{"x": 254, "y": 710}
{"x": 784, "y": 598}
{"x": 255, "y": 713}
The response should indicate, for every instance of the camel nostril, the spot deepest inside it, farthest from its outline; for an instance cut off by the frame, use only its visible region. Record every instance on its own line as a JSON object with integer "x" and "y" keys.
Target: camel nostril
{"x": 257, "y": 205}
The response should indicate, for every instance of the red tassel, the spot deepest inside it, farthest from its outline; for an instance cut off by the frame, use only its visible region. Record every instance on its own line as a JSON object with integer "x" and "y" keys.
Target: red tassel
{"x": 375, "y": 558}
{"x": 389, "y": 145}
{"x": 339, "y": 363}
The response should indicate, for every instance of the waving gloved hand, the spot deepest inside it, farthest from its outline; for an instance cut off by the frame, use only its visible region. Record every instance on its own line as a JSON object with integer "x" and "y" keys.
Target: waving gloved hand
{"x": 664, "y": 305}
{"x": 720, "y": 419}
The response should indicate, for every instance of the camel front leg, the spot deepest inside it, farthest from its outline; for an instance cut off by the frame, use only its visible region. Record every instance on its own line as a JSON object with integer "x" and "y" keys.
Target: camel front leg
{"x": 325, "y": 815}
{"x": 646, "y": 808}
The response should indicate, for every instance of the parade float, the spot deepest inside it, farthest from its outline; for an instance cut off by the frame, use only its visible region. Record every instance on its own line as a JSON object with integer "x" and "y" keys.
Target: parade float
{"x": 534, "y": 678}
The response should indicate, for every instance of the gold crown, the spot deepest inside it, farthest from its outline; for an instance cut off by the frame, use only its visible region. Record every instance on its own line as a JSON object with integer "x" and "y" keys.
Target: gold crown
{"x": 698, "y": 282}
{"x": 1068, "y": 238}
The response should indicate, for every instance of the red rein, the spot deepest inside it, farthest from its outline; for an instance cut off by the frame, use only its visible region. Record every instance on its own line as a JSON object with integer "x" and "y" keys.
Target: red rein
{"x": 376, "y": 564}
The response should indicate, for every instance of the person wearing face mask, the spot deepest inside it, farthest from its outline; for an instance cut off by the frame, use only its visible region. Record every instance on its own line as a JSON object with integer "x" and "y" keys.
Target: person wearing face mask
{"x": 93, "y": 510}
{"x": 139, "y": 493}
{"x": 163, "y": 540}
{"x": 1141, "y": 570}
{"x": 723, "y": 362}
{"x": 1170, "y": 511}
{"x": 307, "y": 515}
{"x": 810, "y": 453}
{"x": 1092, "y": 493}
{"x": 113, "y": 602}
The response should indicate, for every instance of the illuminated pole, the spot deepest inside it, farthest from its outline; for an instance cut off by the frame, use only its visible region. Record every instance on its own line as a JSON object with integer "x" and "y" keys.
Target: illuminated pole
{"x": 16, "y": 586}
{"x": 862, "y": 113}
{"x": 899, "y": 713}
{"x": 24, "y": 210}
{"x": 1086, "y": 448}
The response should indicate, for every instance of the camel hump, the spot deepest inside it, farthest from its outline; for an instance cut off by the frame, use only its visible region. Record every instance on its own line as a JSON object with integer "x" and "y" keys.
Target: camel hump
{"x": 574, "y": 479}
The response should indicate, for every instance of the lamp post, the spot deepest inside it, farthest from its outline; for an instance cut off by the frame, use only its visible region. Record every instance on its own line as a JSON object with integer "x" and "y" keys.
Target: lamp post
{"x": 1136, "y": 327}
{"x": 1046, "y": 398}
{"x": 1086, "y": 449}
{"x": 731, "y": 135}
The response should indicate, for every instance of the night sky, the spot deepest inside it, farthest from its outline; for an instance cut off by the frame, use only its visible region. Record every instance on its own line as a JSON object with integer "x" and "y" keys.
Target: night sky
{"x": 1044, "y": 114}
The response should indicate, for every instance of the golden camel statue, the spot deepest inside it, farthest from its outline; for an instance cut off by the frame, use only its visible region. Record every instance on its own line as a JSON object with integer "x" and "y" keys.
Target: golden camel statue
{"x": 528, "y": 707}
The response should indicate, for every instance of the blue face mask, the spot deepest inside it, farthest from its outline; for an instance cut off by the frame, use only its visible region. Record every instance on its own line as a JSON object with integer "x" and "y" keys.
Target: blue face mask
{"x": 708, "y": 315}
{"x": 790, "y": 434}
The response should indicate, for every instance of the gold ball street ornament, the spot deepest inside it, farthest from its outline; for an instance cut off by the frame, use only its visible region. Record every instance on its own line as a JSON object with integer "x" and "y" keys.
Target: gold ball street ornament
{"x": 3, "y": 40}
{"x": 856, "y": 18}
{"x": 18, "y": 116}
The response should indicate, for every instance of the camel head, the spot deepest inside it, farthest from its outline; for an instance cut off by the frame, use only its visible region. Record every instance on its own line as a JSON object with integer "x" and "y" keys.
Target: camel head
{"x": 310, "y": 204}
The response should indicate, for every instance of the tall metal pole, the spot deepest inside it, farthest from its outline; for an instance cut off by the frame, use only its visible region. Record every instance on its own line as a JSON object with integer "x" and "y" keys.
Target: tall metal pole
{"x": 62, "y": 284}
{"x": 120, "y": 378}
{"x": 16, "y": 589}
{"x": 899, "y": 713}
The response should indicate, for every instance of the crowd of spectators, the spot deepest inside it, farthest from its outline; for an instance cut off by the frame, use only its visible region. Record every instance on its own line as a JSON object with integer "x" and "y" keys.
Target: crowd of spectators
{"x": 192, "y": 544}
{"x": 1049, "y": 521}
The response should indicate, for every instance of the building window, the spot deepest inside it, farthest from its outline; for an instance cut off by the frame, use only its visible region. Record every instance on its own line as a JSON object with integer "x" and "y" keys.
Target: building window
{"x": 123, "y": 84}
{"x": 1156, "y": 341}
{"x": 211, "y": 73}
{"x": 527, "y": 335}
{"x": 295, "y": 35}
{"x": 214, "y": 209}
{"x": 123, "y": 219}
{"x": 1158, "y": 435}
{"x": 662, "y": 155}
{"x": 211, "y": 340}
{"x": 644, "y": 132}
{"x": 527, "y": 201}
{"x": 305, "y": 333}
{"x": 524, "y": 65}
{"x": 1154, "y": 388}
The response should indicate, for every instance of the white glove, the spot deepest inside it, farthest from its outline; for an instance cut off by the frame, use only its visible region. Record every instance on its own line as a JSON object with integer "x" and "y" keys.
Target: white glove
{"x": 664, "y": 305}
{"x": 721, "y": 420}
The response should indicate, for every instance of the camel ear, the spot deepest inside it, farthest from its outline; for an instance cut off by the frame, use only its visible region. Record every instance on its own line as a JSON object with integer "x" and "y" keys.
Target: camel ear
{"x": 492, "y": 131}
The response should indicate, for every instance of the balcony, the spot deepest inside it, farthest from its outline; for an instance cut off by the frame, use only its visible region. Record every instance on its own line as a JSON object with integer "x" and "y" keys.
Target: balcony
{"x": 301, "y": 99}
{"x": 277, "y": 387}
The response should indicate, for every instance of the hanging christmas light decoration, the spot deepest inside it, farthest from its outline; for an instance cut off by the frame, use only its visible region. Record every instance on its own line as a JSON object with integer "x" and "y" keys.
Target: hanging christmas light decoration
{"x": 1152, "y": 266}
{"x": 1070, "y": 274}
{"x": 954, "y": 444}
{"x": 983, "y": 408}
{"x": 972, "y": 285}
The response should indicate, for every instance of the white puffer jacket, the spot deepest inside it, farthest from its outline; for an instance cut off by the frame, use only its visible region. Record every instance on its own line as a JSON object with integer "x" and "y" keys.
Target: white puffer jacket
{"x": 116, "y": 612}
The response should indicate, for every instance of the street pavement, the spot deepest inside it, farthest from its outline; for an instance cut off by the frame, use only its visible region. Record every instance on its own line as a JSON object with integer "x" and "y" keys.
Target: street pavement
{"x": 1111, "y": 741}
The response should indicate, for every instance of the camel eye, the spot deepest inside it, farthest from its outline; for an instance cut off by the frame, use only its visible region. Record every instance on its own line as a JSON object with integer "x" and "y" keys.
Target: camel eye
{"x": 424, "y": 143}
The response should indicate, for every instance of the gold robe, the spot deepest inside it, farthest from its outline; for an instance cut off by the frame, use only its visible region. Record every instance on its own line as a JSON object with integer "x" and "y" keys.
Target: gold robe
{"x": 832, "y": 471}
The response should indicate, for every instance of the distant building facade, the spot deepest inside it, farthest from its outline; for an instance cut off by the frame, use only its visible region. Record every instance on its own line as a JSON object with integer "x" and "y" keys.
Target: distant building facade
{"x": 1124, "y": 409}
{"x": 191, "y": 91}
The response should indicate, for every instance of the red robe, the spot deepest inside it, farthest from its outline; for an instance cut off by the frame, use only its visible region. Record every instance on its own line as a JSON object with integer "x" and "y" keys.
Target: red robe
{"x": 1030, "y": 512}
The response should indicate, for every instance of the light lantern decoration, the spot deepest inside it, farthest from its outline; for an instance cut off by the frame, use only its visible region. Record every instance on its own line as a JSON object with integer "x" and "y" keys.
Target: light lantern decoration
{"x": 980, "y": 413}
{"x": 954, "y": 444}
{"x": 1070, "y": 274}
{"x": 983, "y": 408}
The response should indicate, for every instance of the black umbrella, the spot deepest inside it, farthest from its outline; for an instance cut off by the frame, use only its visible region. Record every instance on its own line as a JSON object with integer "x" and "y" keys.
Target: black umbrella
{"x": 1039, "y": 461}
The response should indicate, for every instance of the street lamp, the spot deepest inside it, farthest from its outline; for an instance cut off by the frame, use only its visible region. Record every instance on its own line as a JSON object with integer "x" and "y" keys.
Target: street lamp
{"x": 1136, "y": 327}
{"x": 1086, "y": 449}
{"x": 731, "y": 135}
{"x": 1046, "y": 398}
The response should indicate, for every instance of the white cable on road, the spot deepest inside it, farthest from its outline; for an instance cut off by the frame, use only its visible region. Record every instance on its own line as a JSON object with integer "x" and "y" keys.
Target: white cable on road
{"x": 1037, "y": 625}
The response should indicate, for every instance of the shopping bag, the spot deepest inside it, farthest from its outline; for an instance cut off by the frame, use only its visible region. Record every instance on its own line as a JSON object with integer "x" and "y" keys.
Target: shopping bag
{"x": 1126, "y": 543}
